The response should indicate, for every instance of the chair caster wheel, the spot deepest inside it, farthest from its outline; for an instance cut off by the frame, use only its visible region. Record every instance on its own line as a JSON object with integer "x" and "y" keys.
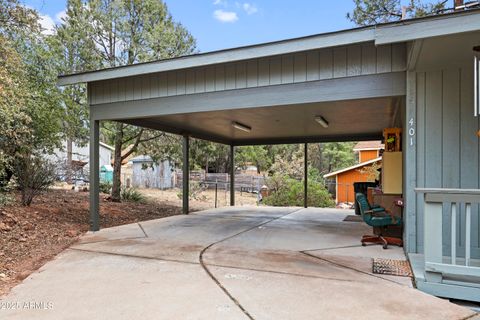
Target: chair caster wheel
{"x": 364, "y": 244}
{"x": 385, "y": 246}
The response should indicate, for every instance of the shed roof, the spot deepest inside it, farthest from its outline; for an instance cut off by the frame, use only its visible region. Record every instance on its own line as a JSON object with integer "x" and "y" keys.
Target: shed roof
{"x": 368, "y": 145}
{"x": 359, "y": 165}
{"x": 399, "y": 31}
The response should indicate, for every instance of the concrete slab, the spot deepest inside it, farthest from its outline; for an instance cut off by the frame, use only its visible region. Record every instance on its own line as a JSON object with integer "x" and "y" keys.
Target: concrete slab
{"x": 276, "y": 261}
{"x": 361, "y": 264}
{"x": 278, "y": 296}
{"x": 81, "y": 285}
{"x": 231, "y": 263}
{"x": 130, "y": 231}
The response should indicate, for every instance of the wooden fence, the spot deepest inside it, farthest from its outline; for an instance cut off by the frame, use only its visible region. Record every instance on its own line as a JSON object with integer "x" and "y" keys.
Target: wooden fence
{"x": 243, "y": 182}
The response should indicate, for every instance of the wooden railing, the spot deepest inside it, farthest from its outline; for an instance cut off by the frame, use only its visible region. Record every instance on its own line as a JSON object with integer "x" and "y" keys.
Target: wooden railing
{"x": 437, "y": 267}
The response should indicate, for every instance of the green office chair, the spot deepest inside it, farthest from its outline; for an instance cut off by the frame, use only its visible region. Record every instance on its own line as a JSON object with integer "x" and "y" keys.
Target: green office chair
{"x": 377, "y": 216}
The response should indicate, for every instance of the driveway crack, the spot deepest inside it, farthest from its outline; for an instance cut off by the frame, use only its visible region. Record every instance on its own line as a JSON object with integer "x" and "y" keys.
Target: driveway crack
{"x": 216, "y": 280}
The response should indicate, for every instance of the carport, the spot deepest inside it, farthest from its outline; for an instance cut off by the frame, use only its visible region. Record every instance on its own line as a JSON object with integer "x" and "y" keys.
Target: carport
{"x": 323, "y": 88}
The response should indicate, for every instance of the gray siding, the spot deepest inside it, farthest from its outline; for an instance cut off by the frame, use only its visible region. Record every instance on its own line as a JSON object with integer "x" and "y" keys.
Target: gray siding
{"x": 447, "y": 146}
{"x": 331, "y": 63}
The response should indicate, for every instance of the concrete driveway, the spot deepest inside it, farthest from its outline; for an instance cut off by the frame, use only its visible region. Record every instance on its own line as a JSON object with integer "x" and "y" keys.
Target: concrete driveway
{"x": 234, "y": 263}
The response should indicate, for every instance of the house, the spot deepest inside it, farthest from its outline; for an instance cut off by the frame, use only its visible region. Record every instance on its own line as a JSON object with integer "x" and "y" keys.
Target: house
{"x": 147, "y": 173}
{"x": 343, "y": 180}
{"x": 421, "y": 75}
{"x": 80, "y": 155}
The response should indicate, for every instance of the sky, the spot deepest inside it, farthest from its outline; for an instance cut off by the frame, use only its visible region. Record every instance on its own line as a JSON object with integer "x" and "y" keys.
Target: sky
{"x": 222, "y": 24}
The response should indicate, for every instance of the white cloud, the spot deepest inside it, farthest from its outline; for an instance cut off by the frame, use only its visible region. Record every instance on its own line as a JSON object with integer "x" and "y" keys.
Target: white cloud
{"x": 47, "y": 24}
{"x": 249, "y": 8}
{"x": 220, "y": 3}
{"x": 60, "y": 16}
{"x": 225, "y": 16}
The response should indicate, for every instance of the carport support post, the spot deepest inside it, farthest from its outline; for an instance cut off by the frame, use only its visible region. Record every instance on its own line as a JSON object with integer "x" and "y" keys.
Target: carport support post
{"x": 232, "y": 175}
{"x": 305, "y": 175}
{"x": 94, "y": 175}
{"x": 186, "y": 174}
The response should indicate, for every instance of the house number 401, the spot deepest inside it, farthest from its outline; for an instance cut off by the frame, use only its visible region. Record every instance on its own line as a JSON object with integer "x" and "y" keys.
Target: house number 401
{"x": 411, "y": 131}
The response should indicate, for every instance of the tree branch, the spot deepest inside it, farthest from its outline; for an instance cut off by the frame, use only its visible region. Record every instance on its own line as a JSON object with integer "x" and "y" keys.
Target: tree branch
{"x": 135, "y": 146}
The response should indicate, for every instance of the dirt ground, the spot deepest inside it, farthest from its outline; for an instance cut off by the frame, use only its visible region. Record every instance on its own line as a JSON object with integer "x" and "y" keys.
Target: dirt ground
{"x": 31, "y": 236}
{"x": 202, "y": 201}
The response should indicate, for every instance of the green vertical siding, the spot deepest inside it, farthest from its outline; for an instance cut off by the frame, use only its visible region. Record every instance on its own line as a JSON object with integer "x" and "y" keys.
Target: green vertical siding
{"x": 447, "y": 146}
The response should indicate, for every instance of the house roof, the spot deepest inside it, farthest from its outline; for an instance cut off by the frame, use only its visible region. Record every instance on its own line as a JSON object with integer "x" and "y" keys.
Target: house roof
{"x": 107, "y": 146}
{"x": 399, "y": 31}
{"x": 142, "y": 158}
{"x": 369, "y": 145}
{"x": 359, "y": 165}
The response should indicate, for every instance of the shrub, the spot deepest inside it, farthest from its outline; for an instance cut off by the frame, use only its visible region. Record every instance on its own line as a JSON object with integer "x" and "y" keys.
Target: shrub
{"x": 105, "y": 187}
{"x": 286, "y": 191}
{"x": 131, "y": 194}
{"x": 33, "y": 176}
{"x": 5, "y": 199}
{"x": 195, "y": 191}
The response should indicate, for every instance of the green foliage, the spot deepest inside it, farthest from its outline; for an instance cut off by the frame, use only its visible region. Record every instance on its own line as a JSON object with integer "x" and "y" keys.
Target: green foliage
{"x": 132, "y": 195}
{"x": 369, "y": 12}
{"x": 287, "y": 191}
{"x": 33, "y": 175}
{"x": 256, "y": 155}
{"x": 30, "y": 106}
{"x": 336, "y": 155}
{"x": 17, "y": 20}
{"x": 105, "y": 187}
{"x": 6, "y": 199}
{"x": 75, "y": 52}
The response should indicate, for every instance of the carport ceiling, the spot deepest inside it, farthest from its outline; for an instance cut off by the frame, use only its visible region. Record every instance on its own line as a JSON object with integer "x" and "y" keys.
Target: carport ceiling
{"x": 348, "y": 121}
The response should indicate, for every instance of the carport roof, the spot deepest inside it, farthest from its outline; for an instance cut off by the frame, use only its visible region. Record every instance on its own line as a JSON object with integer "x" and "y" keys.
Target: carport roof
{"x": 400, "y": 31}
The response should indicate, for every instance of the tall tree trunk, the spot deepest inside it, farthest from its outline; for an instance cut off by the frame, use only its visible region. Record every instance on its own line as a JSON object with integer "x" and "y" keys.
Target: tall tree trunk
{"x": 117, "y": 163}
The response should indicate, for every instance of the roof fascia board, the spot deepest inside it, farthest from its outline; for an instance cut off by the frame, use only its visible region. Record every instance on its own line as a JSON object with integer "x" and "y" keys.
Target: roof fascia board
{"x": 427, "y": 28}
{"x": 360, "y": 87}
{"x": 224, "y": 56}
{"x": 359, "y": 165}
{"x": 367, "y": 149}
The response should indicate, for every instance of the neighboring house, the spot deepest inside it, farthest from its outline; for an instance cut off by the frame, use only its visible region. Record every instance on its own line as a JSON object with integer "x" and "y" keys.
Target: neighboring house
{"x": 343, "y": 180}
{"x": 80, "y": 158}
{"x": 148, "y": 174}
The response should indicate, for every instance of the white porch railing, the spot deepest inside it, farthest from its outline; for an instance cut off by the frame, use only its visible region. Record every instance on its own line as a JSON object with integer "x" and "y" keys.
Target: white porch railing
{"x": 453, "y": 269}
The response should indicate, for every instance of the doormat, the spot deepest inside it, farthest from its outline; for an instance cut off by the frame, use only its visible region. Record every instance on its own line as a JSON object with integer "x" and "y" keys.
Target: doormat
{"x": 353, "y": 218}
{"x": 392, "y": 267}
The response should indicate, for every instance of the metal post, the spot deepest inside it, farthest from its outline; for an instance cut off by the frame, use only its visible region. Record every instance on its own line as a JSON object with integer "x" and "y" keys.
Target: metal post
{"x": 186, "y": 173}
{"x": 232, "y": 175}
{"x": 305, "y": 173}
{"x": 216, "y": 193}
{"x": 94, "y": 175}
